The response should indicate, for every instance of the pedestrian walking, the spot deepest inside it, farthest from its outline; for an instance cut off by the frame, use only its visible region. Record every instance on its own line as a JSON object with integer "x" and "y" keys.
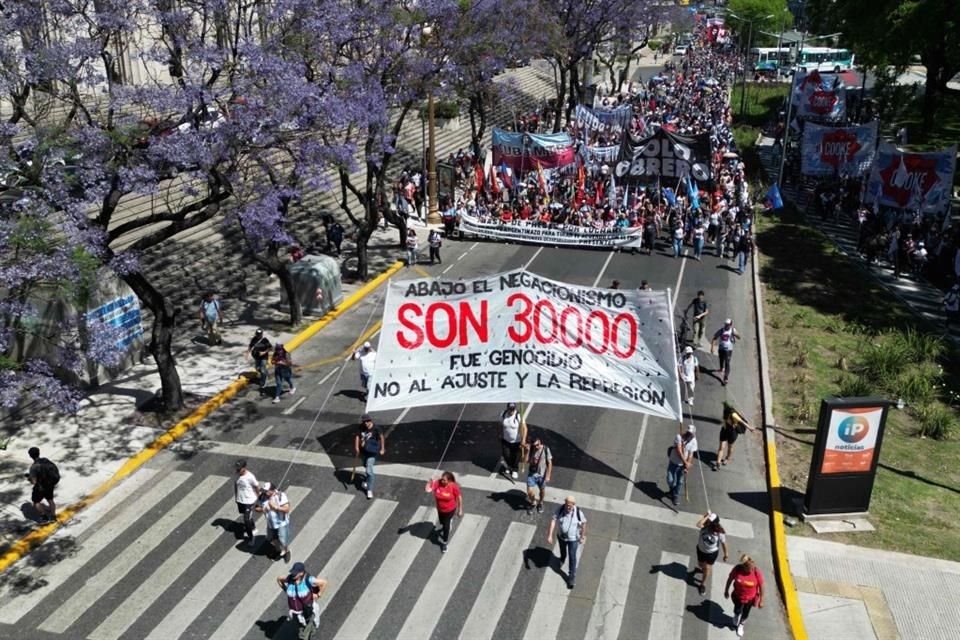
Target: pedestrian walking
{"x": 511, "y": 439}
{"x": 747, "y": 584}
{"x": 44, "y": 476}
{"x": 259, "y": 350}
{"x": 411, "y": 247}
{"x": 724, "y": 337}
{"x": 435, "y": 242}
{"x": 335, "y": 236}
{"x": 246, "y": 493}
{"x": 570, "y": 525}
{"x": 677, "y": 240}
{"x": 689, "y": 368}
{"x": 370, "y": 444}
{"x": 698, "y": 239}
{"x": 744, "y": 251}
{"x": 302, "y": 591}
{"x": 449, "y": 502}
{"x": 680, "y": 457}
{"x": 276, "y": 507}
{"x": 700, "y": 310}
{"x": 539, "y": 470}
{"x": 282, "y": 371}
{"x": 367, "y": 357}
{"x": 211, "y": 318}
{"x": 711, "y": 540}
{"x": 734, "y": 425}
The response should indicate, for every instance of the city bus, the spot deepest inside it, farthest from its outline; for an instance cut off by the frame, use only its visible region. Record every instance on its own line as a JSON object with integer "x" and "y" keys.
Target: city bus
{"x": 771, "y": 59}
{"x": 824, "y": 59}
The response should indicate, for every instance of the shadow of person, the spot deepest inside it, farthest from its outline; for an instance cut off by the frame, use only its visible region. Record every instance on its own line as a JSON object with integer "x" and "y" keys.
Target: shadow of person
{"x": 514, "y": 498}
{"x": 673, "y": 570}
{"x": 423, "y": 530}
{"x": 651, "y": 490}
{"x": 538, "y": 557}
{"x": 712, "y": 612}
{"x": 273, "y": 628}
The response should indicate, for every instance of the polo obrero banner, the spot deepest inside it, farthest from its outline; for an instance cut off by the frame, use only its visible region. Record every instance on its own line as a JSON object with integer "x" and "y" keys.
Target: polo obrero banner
{"x": 517, "y": 335}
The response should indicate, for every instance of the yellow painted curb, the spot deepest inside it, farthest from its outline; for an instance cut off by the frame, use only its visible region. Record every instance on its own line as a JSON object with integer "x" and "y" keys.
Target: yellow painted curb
{"x": 35, "y": 538}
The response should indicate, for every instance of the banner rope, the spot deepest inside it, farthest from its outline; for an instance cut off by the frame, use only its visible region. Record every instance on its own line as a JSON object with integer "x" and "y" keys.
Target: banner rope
{"x": 703, "y": 479}
{"x": 456, "y": 425}
{"x": 334, "y": 385}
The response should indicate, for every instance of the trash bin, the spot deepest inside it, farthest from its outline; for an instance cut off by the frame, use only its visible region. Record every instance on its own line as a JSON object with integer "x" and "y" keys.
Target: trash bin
{"x": 316, "y": 280}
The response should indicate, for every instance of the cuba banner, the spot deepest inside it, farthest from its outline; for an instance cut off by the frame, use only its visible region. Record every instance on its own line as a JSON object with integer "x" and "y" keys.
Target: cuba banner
{"x": 819, "y": 97}
{"x": 520, "y": 337}
{"x": 831, "y": 151}
{"x": 665, "y": 155}
{"x": 553, "y": 234}
{"x": 525, "y": 152}
{"x": 908, "y": 180}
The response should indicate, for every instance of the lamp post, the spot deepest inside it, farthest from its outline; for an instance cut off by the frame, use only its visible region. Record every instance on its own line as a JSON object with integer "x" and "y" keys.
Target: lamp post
{"x": 746, "y": 55}
{"x": 433, "y": 214}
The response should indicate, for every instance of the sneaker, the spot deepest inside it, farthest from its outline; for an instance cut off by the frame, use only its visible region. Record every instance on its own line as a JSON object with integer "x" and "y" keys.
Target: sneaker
{"x": 293, "y": 390}
{"x": 513, "y": 474}
{"x": 690, "y": 401}
{"x": 676, "y": 502}
{"x": 364, "y": 485}
{"x": 369, "y": 495}
{"x": 529, "y": 509}
{"x": 736, "y": 621}
{"x": 276, "y": 400}
{"x": 255, "y": 532}
{"x": 701, "y": 588}
{"x": 571, "y": 583}
{"x": 443, "y": 548}
{"x": 539, "y": 507}
{"x": 286, "y": 555}
{"x": 739, "y": 630}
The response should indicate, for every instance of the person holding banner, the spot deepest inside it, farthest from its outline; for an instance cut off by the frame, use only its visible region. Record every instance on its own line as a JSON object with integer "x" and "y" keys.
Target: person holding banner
{"x": 539, "y": 469}
{"x": 733, "y": 426}
{"x": 680, "y": 457}
{"x": 449, "y": 502}
{"x": 512, "y": 436}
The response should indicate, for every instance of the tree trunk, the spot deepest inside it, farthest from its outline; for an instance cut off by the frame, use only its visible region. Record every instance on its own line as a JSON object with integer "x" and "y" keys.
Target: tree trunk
{"x": 286, "y": 281}
{"x": 931, "y": 96}
{"x": 561, "y": 98}
{"x": 576, "y": 91}
{"x": 161, "y": 338}
{"x": 363, "y": 264}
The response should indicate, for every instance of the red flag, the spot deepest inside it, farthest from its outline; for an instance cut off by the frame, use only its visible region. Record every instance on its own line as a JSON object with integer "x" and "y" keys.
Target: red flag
{"x": 479, "y": 174}
{"x": 494, "y": 187}
{"x": 599, "y": 193}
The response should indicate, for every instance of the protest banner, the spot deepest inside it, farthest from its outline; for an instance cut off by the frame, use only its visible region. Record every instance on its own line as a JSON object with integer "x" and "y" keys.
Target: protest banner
{"x": 830, "y": 151}
{"x": 614, "y": 120}
{"x": 524, "y": 152}
{"x": 666, "y": 155}
{"x": 520, "y": 337}
{"x": 912, "y": 180}
{"x": 552, "y": 234}
{"x": 817, "y": 96}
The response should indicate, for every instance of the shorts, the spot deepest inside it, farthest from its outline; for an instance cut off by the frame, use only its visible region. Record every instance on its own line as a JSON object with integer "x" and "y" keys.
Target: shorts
{"x": 536, "y": 480}
{"x": 41, "y": 493}
{"x": 243, "y": 509}
{"x": 707, "y": 558}
{"x": 729, "y": 434}
{"x": 281, "y": 535}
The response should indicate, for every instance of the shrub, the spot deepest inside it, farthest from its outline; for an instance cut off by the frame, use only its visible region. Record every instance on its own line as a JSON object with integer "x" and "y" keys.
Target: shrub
{"x": 917, "y": 384}
{"x": 855, "y": 387}
{"x": 936, "y": 421}
{"x": 881, "y": 362}
{"x": 919, "y": 347}
{"x": 654, "y": 44}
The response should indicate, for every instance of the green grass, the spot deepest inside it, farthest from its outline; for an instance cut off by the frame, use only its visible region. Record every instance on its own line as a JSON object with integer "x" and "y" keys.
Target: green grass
{"x": 946, "y": 124}
{"x": 820, "y": 304}
{"x": 762, "y": 102}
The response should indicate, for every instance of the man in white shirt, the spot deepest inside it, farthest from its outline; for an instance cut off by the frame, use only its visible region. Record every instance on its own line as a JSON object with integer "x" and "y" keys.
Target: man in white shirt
{"x": 276, "y": 506}
{"x": 246, "y": 492}
{"x": 367, "y": 356}
{"x": 680, "y": 459}
{"x": 689, "y": 368}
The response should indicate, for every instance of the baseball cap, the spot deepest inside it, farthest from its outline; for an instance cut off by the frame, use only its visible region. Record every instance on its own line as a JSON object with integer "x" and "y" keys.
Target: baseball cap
{"x": 688, "y": 350}
{"x": 691, "y": 429}
{"x": 266, "y": 486}
{"x": 711, "y": 517}
{"x": 258, "y": 332}
{"x": 511, "y": 405}
{"x": 728, "y": 321}
{"x": 298, "y": 567}
{"x": 240, "y": 464}
{"x": 366, "y": 418}
{"x": 366, "y": 345}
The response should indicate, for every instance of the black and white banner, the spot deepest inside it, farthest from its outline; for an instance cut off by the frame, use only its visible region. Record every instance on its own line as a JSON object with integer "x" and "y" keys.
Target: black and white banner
{"x": 665, "y": 155}
{"x": 613, "y": 120}
{"x": 553, "y": 234}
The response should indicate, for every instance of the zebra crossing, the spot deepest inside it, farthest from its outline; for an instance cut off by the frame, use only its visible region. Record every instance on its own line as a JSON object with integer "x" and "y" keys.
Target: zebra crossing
{"x": 159, "y": 566}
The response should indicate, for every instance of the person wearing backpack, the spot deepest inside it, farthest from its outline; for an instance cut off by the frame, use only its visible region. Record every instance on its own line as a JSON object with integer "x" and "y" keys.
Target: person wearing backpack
{"x": 282, "y": 371}
{"x": 210, "y": 318}
{"x": 571, "y": 527}
{"x": 44, "y": 476}
{"x": 747, "y": 584}
{"x": 259, "y": 350}
{"x": 370, "y": 444}
{"x": 302, "y": 591}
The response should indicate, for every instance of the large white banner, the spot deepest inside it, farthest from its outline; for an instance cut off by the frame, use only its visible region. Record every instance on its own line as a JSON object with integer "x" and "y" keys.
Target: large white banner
{"x": 520, "y": 337}
{"x": 554, "y": 234}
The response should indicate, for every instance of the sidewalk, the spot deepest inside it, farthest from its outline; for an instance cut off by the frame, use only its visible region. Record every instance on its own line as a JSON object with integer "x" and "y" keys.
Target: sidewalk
{"x": 857, "y": 593}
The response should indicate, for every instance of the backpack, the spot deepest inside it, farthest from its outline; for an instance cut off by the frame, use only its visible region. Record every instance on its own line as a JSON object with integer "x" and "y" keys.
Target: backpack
{"x": 47, "y": 472}
{"x": 576, "y": 510}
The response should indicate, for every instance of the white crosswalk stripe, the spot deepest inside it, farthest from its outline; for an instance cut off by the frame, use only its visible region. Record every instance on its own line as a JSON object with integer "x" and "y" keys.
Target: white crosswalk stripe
{"x": 167, "y": 573}
{"x": 433, "y": 599}
{"x": 378, "y": 593}
{"x": 608, "y": 607}
{"x": 265, "y": 591}
{"x": 669, "y": 602}
{"x": 496, "y": 589}
{"x": 83, "y": 597}
{"x": 55, "y": 575}
{"x": 721, "y": 614}
{"x": 550, "y": 605}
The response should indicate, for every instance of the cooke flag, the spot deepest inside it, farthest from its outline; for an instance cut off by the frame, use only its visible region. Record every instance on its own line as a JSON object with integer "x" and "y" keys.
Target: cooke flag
{"x": 667, "y": 155}
{"x": 519, "y": 336}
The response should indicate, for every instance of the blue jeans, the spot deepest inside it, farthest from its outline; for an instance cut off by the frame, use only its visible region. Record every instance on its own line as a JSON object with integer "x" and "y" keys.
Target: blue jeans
{"x": 411, "y": 257}
{"x": 569, "y": 547}
{"x": 368, "y": 462}
{"x": 697, "y": 248}
{"x": 675, "y": 478}
{"x": 261, "y": 366}
{"x": 677, "y": 246}
{"x": 741, "y": 261}
{"x": 281, "y": 375}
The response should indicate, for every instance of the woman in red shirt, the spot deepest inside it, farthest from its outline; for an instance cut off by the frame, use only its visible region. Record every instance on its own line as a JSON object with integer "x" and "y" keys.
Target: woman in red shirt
{"x": 747, "y": 584}
{"x": 449, "y": 501}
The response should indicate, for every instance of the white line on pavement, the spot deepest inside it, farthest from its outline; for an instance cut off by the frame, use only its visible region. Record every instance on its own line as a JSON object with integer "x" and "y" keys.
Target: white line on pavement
{"x": 718, "y": 621}
{"x": 611, "y": 601}
{"x": 635, "y": 465}
{"x": 530, "y": 261}
{"x": 328, "y": 376}
{"x": 257, "y": 439}
{"x": 669, "y": 600}
{"x": 447, "y": 269}
{"x": 603, "y": 269}
{"x": 289, "y": 410}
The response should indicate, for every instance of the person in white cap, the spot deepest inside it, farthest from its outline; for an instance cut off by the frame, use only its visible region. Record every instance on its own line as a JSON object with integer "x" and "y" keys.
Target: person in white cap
{"x": 367, "y": 356}
{"x": 689, "y": 368}
{"x": 680, "y": 459}
{"x": 711, "y": 540}
{"x": 724, "y": 338}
